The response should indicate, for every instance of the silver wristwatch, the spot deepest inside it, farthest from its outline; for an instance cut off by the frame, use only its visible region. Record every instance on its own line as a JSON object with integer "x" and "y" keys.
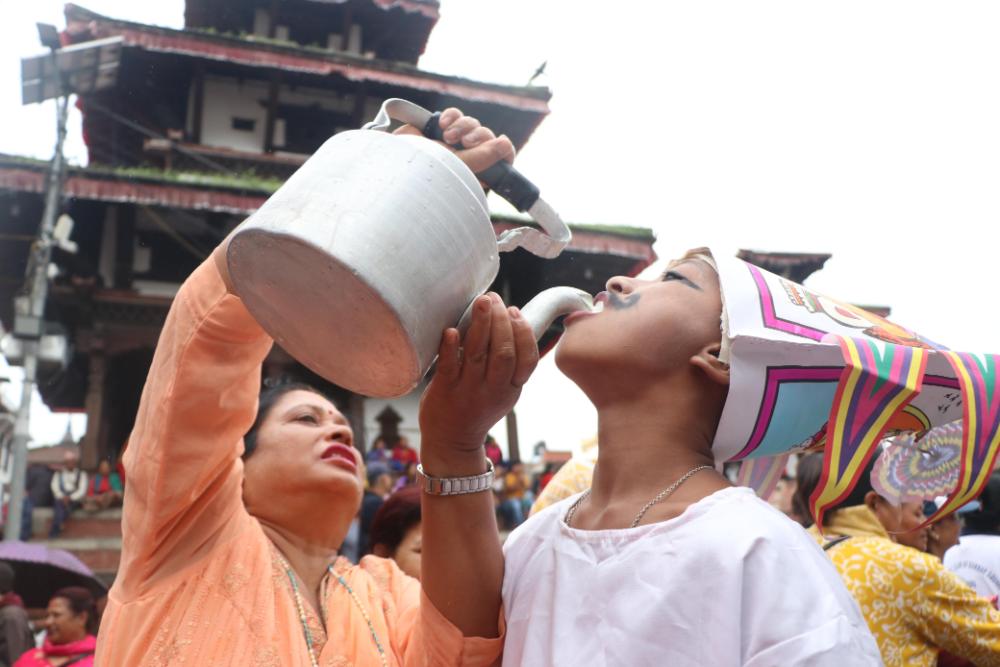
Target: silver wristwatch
{"x": 454, "y": 486}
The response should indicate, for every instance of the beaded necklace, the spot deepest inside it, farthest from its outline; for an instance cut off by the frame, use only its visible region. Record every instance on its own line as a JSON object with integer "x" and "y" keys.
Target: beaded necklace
{"x": 300, "y": 607}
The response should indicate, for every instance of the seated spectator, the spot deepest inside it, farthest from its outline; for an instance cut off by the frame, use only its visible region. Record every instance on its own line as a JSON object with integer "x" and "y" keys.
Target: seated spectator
{"x": 378, "y": 458}
{"x": 514, "y": 487}
{"x": 69, "y": 486}
{"x": 571, "y": 478}
{"x": 493, "y": 452}
{"x": 395, "y": 532}
{"x": 379, "y": 488}
{"x": 407, "y": 478}
{"x": 403, "y": 455}
{"x": 38, "y": 484}
{"x": 546, "y": 477}
{"x": 15, "y": 630}
{"x": 105, "y": 489}
{"x": 71, "y": 628}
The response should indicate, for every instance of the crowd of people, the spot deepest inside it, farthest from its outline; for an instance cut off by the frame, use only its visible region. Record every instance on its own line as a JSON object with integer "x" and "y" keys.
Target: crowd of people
{"x": 388, "y": 521}
{"x": 67, "y": 488}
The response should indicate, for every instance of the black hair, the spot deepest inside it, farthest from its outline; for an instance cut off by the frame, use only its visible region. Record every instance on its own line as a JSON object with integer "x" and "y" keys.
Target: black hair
{"x": 807, "y": 474}
{"x": 81, "y": 601}
{"x": 374, "y": 474}
{"x": 395, "y": 518}
{"x": 268, "y": 398}
{"x": 986, "y": 519}
{"x": 6, "y": 577}
{"x": 808, "y": 480}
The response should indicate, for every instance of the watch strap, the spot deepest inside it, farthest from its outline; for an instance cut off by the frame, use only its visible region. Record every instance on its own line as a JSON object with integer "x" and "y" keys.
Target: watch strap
{"x": 454, "y": 486}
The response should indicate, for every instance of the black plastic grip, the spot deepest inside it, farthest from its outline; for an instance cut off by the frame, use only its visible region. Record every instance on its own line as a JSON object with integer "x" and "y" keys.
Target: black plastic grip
{"x": 506, "y": 181}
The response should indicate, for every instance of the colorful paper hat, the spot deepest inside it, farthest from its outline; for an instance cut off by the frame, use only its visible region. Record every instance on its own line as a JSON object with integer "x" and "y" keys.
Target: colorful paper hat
{"x": 810, "y": 372}
{"x": 917, "y": 467}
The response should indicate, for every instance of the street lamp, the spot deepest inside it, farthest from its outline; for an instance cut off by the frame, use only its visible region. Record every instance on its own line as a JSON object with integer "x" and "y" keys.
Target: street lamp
{"x": 77, "y": 69}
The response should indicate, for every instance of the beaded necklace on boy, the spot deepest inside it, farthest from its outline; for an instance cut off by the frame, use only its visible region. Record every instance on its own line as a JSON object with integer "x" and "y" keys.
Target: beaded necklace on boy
{"x": 645, "y": 508}
{"x": 314, "y": 661}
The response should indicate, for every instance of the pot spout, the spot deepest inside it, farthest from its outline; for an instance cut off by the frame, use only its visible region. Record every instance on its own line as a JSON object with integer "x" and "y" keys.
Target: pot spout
{"x": 544, "y": 308}
{"x": 549, "y": 304}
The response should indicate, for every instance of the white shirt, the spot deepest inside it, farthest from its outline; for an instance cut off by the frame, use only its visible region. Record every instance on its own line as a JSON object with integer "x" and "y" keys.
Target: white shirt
{"x": 731, "y": 581}
{"x": 70, "y": 484}
{"x": 976, "y": 559}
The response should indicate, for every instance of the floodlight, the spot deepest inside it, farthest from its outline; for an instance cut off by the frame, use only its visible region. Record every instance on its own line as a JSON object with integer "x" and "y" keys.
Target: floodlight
{"x": 79, "y": 69}
{"x": 48, "y": 35}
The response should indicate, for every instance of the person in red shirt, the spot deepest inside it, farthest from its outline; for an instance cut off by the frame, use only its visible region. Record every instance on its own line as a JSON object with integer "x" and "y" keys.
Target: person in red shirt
{"x": 493, "y": 452}
{"x": 403, "y": 455}
{"x": 105, "y": 489}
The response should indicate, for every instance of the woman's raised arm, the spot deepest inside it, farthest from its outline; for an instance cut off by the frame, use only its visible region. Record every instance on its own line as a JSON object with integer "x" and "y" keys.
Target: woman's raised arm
{"x": 183, "y": 457}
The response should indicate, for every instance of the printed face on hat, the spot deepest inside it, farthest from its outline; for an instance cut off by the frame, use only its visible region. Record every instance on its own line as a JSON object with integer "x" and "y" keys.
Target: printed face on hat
{"x": 647, "y": 328}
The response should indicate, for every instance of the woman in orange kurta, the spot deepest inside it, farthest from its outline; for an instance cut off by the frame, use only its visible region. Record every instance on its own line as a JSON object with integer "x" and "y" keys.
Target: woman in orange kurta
{"x": 233, "y": 562}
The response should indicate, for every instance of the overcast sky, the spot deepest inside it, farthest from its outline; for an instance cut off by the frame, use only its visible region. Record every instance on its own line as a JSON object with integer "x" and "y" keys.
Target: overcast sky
{"x": 867, "y": 129}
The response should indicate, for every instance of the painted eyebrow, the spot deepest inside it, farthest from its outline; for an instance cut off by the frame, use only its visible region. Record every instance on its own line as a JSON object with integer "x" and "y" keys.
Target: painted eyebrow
{"x": 672, "y": 268}
{"x": 317, "y": 411}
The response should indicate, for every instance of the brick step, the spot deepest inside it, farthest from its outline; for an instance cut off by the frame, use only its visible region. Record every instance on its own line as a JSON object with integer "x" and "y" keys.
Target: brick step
{"x": 100, "y": 554}
{"x": 107, "y": 523}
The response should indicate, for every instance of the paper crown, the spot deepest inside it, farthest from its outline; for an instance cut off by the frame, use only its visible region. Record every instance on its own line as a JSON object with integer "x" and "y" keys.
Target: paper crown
{"x": 916, "y": 467}
{"x": 810, "y": 372}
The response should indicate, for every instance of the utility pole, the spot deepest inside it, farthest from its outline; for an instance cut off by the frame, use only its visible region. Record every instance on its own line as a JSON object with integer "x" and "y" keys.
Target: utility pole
{"x": 29, "y": 317}
{"x": 80, "y": 69}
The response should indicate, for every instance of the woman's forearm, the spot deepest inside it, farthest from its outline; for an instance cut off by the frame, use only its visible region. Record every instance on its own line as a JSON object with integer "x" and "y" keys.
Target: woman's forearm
{"x": 462, "y": 563}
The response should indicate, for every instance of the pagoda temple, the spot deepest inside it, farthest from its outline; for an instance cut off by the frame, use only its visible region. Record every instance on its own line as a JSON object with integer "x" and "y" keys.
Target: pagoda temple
{"x": 201, "y": 126}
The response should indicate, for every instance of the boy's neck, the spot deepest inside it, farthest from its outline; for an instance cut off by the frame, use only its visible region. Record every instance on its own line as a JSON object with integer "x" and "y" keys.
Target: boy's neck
{"x": 646, "y": 443}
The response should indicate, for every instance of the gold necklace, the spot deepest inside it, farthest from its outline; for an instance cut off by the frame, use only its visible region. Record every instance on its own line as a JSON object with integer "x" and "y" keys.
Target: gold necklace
{"x": 645, "y": 508}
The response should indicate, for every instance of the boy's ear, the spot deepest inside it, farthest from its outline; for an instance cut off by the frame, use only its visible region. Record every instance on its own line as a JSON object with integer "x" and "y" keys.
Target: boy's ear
{"x": 707, "y": 360}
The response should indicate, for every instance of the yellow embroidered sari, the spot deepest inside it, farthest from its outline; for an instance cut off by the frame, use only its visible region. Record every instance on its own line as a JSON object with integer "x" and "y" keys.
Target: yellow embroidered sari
{"x": 912, "y": 604}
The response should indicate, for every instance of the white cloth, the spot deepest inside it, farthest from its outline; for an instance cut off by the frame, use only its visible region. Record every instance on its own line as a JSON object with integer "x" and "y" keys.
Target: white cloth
{"x": 69, "y": 483}
{"x": 976, "y": 559}
{"x": 731, "y": 581}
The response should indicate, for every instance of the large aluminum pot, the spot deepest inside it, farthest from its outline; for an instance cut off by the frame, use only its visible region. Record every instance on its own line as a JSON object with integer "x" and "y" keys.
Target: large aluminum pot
{"x": 366, "y": 254}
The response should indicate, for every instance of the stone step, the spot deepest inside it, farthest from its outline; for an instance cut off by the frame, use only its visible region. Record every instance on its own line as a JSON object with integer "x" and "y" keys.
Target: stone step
{"x": 101, "y": 554}
{"x": 106, "y": 523}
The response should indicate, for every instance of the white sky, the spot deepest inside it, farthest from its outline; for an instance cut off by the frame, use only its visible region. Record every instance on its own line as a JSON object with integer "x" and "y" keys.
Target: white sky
{"x": 866, "y": 129}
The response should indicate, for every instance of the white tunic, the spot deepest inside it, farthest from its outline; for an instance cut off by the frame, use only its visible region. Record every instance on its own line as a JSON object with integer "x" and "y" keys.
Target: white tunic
{"x": 731, "y": 581}
{"x": 976, "y": 559}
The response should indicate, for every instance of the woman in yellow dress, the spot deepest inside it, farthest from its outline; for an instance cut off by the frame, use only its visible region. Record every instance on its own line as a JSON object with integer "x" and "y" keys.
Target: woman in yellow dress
{"x": 914, "y": 607}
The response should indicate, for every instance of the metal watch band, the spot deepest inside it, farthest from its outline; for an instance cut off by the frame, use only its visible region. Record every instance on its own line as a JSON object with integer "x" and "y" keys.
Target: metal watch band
{"x": 454, "y": 486}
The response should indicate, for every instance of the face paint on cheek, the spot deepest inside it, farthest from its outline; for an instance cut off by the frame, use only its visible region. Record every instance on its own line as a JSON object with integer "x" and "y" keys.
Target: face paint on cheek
{"x": 616, "y": 302}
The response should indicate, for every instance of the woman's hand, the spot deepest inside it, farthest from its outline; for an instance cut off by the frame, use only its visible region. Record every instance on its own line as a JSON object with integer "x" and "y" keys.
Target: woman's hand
{"x": 478, "y": 381}
{"x": 474, "y": 144}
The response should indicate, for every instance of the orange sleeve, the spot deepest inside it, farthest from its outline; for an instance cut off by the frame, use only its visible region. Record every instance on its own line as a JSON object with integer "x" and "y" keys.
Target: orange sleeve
{"x": 419, "y": 633}
{"x": 183, "y": 457}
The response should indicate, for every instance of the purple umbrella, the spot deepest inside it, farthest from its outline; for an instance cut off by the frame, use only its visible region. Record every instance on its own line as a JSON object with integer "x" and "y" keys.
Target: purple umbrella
{"x": 40, "y": 571}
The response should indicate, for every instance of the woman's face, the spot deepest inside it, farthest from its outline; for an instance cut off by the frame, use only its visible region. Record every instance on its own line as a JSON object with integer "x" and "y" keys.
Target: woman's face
{"x": 647, "y": 327}
{"x": 407, "y": 554}
{"x": 62, "y": 625}
{"x": 104, "y": 468}
{"x": 304, "y": 448}
{"x": 945, "y": 532}
{"x": 902, "y": 523}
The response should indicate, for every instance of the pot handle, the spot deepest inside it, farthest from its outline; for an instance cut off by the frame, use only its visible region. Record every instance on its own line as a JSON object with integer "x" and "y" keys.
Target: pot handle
{"x": 501, "y": 177}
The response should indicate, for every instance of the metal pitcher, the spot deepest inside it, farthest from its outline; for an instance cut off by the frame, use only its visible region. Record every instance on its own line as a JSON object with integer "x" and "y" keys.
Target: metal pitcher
{"x": 378, "y": 243}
